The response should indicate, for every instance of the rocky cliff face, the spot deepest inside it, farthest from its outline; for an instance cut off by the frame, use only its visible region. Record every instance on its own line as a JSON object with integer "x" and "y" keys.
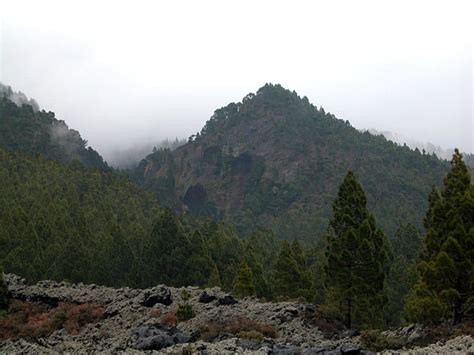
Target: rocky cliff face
{"x": 151, "y": 320}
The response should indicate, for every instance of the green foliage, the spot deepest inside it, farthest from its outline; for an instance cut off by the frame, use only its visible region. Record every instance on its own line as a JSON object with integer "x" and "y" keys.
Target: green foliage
{"x": 317, "y": 262}
{"x": 70, "y": 222}
{"x": 184, "y": 312}
{"x": 185, "y": 295}
{"x": 422, "y": 305}
{"x": 374, "y": 340}
{"x": 4, "y": 299}
{"x": 292, "y": 276}
{"x": 402, "y": 276}
{"x": 356, "y": 257}
{"x": 87, "y": 225}
{"x": 446, "y": 281}
{"x": 260, "y": 253}
{"x": 244, "y": 283}
{"x": 214, "y": 278}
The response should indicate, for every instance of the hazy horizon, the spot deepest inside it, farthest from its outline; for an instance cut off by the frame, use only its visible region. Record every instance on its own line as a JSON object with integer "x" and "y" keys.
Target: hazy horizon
{"x": 123, "y": 74}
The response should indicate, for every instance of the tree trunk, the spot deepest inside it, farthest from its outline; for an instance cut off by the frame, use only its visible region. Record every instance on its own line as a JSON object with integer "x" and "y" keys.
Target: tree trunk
{"x": 457, "y": 314}
{"x": 349, "y": 313}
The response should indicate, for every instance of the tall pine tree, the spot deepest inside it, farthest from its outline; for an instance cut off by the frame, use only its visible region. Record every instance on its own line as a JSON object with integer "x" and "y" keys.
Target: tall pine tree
{"x": 446, "y": 283}
{"x": 356, "y": 257}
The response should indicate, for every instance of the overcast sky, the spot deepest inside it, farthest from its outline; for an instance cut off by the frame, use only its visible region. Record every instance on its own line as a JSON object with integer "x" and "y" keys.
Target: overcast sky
{"x": 123, "y": 72}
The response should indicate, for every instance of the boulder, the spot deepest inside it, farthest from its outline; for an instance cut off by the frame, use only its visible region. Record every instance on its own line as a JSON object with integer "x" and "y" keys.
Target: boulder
{"x": 226, "y": 300}
{"x": 249, "y": 344}
{"x": 156, "y": 337}
{"x": 351, "y": 350}
{"x": 159, "y": 294}
{"x": 206, "y": 297}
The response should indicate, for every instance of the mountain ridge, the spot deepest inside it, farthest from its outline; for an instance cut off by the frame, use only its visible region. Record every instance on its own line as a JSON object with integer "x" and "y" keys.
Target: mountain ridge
{"x": 275, "y": 159}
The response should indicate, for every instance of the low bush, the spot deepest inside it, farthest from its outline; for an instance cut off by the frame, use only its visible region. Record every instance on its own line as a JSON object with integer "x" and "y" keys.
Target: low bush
{"x": 78, "y": 316}
{"x": 33, "y": 320}
{"x": 184, "y": 312}
{"x": 155, "y": 313}
{"x": 251, "y": 335}
{"x": 375, "y": 340}
{"x": 169, "y": 319}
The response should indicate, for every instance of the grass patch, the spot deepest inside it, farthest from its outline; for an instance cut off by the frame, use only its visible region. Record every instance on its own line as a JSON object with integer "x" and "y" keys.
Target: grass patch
{"x": 239, "y": 326}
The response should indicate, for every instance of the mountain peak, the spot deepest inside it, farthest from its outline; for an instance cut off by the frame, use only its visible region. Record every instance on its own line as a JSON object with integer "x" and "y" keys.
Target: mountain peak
{"x": 270, "y": 101}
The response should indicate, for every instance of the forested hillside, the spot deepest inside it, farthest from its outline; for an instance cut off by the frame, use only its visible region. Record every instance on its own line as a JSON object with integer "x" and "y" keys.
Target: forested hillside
{"x": 276, "y": 160}
{"x": 70, "y": 222}
{"x": 25, "y": 128}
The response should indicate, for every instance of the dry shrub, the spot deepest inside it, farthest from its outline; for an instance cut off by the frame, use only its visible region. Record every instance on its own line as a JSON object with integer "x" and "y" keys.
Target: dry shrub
{"x": 155, "y": 313}
{"x": 327, "y": 319}
{"x": 80, "y": 315}
{"x": 170, "y": 319}
{"x": 33, "y": 320}
{"x": 465, "y": 328}
{"x": 251, "y": 335}
{"x": 376, "y": 341}
{"x": 237, "y": 325}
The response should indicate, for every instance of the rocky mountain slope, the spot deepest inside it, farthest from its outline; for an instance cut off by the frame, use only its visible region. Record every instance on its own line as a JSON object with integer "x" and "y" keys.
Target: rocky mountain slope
{"x": 136, "y": 321}
{"x": 276, "y": 160}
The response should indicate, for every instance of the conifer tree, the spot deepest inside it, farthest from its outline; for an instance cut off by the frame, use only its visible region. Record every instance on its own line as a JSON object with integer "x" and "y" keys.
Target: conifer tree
{"x": 3, "y": 291}
{"x": 214, "y": 278}
{"x": 356, "y": 257}
{"x": 446, "y": 284}
{"x": 244, "y": 285}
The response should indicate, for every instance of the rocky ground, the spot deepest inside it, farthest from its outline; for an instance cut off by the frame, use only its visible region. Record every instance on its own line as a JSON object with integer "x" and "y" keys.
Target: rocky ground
{"x": 137, "y": 321}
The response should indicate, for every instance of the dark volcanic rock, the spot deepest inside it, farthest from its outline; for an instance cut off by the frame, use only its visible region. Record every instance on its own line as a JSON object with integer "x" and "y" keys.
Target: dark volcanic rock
{"x": 156, "y": 337}
{"x": 286, "y": 350}
{"x": 159, "y": 294}
{"x": 314, "y": 351}
{"x": 206, "y": 297}
{"x": 351, "y": 351}
{"x": 249, "y": 344}
{"x": 226, "y": 300}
